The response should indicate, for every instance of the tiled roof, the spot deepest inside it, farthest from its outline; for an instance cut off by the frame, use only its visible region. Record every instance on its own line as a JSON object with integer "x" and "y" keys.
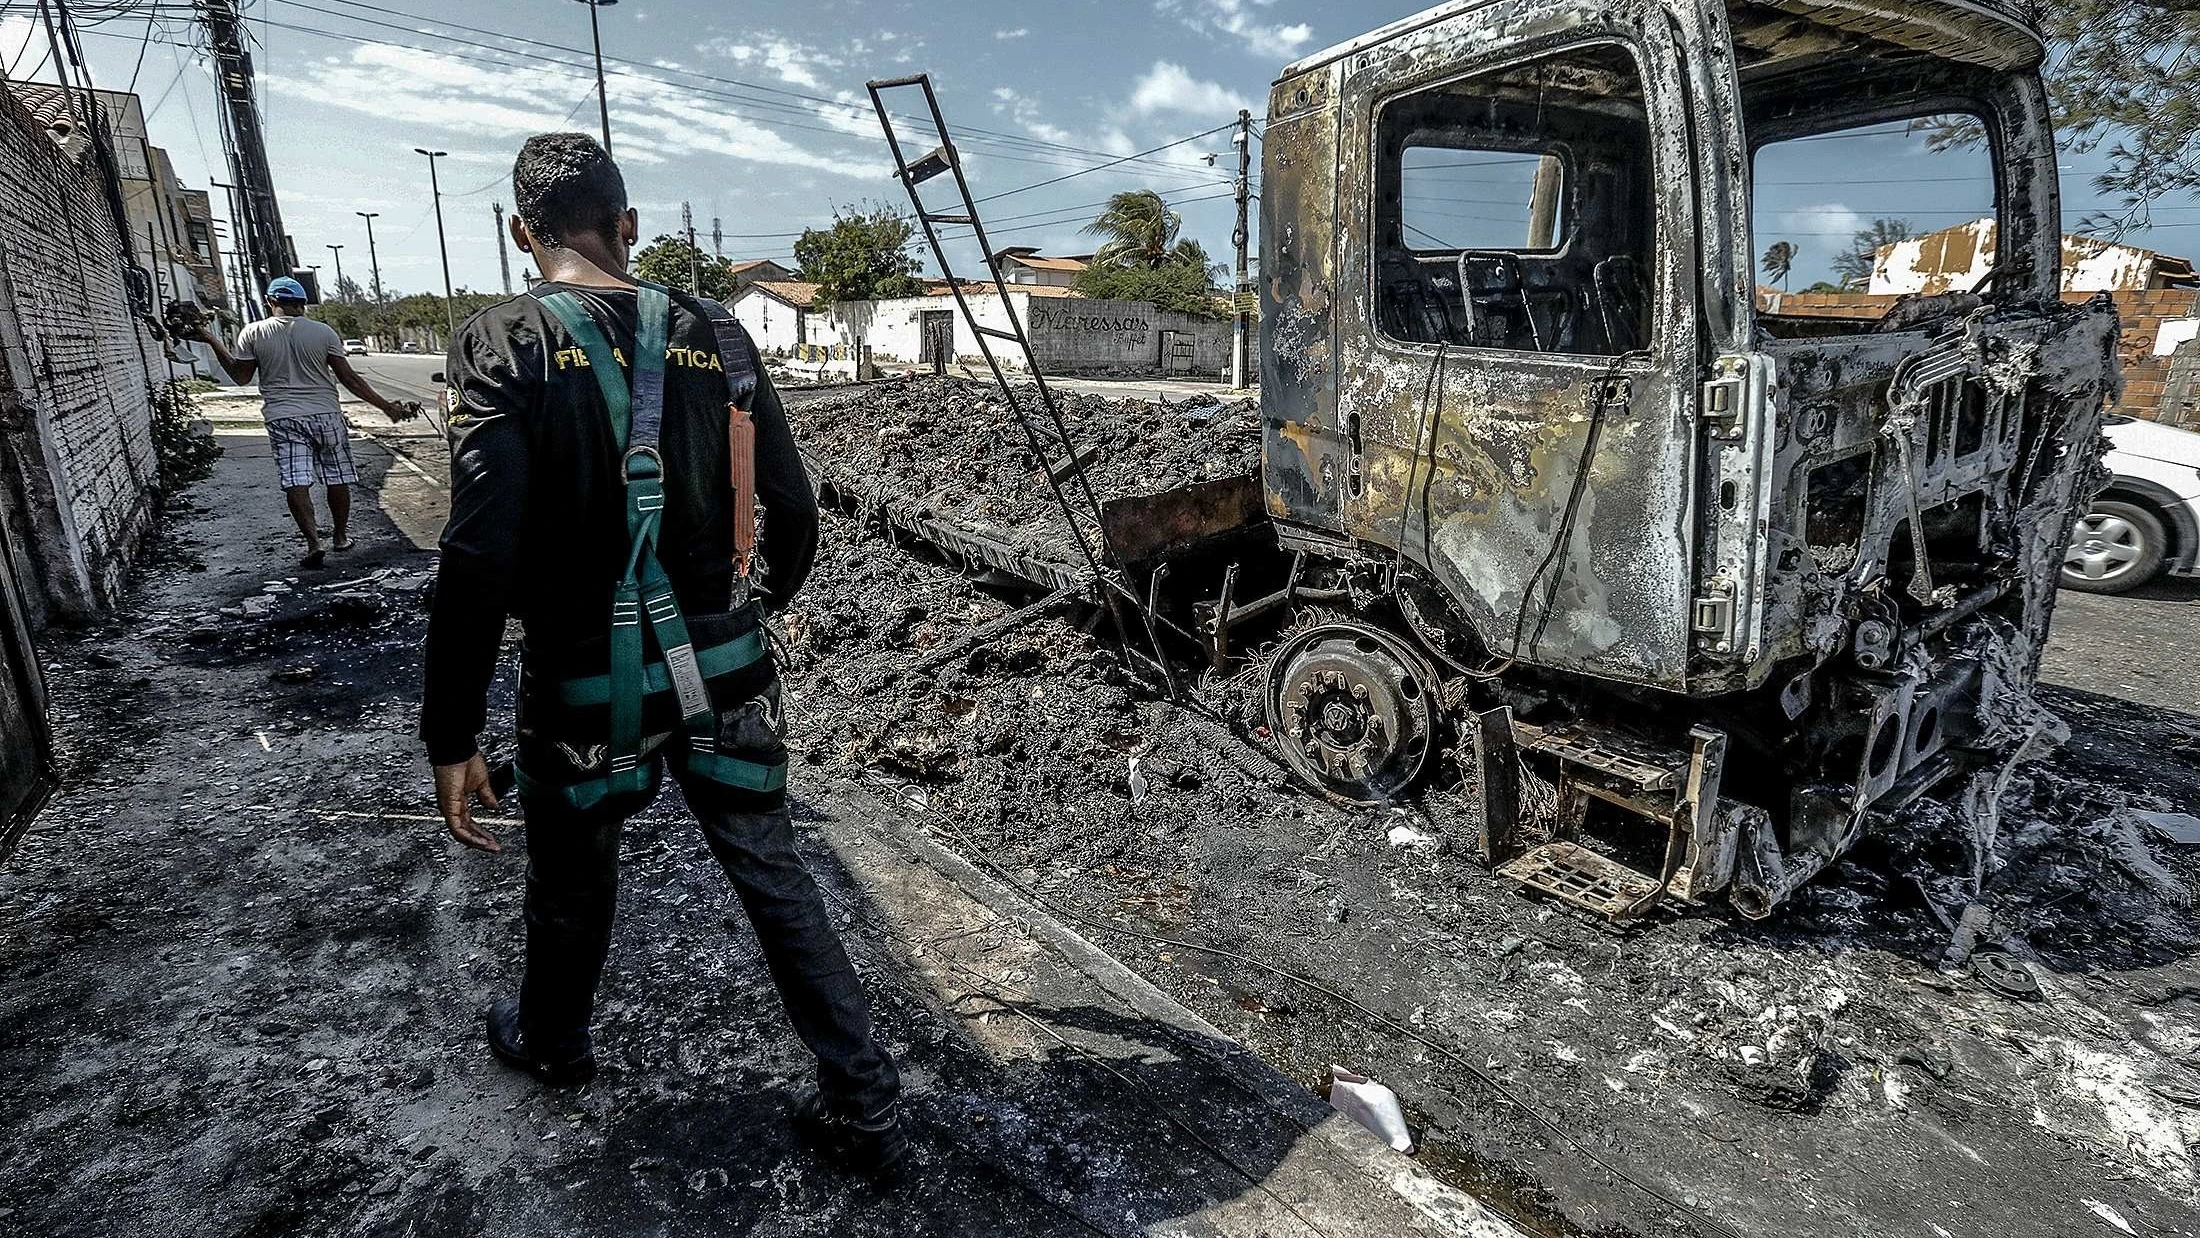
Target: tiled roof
{"x": 793, "y": 291}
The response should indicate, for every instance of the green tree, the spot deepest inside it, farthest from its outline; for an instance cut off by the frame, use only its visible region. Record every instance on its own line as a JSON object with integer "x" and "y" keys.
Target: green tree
{"x": 1780, "y": 262}
{"x": 671, "y": 261}
{"x": 1183, "y": 287}
{"x": 2125, "y": 74}
{"x": 1142, "y": 233}
{"x": 1853, "y": 266}
{"x": 865, "y": 256}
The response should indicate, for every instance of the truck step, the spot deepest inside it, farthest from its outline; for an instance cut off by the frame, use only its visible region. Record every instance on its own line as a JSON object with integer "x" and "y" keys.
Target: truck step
{"x": 1582, "y": 877}
{"x": 1642, "y": 767}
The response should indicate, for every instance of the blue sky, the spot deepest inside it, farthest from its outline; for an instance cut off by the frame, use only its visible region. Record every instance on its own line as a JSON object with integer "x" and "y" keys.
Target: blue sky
{"x": 755, "y": 113}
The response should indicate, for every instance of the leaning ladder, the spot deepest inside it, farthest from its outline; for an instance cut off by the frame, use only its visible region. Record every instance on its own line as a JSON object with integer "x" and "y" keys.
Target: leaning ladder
{"x": 1043, "y": 426}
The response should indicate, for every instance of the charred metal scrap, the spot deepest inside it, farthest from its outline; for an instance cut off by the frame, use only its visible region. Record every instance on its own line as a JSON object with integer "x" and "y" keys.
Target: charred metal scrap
{"x": 1738, "y": 585}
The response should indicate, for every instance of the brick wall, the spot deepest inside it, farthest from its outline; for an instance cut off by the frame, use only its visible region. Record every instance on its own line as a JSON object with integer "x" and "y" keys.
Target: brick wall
{"x": 76, "y": 450}
{"x": 2143, "y": 313}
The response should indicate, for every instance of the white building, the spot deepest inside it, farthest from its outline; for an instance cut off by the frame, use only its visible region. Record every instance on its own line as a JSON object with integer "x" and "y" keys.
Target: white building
{"x": 1957, "y": 259}
{"x": 1024, "y": 264}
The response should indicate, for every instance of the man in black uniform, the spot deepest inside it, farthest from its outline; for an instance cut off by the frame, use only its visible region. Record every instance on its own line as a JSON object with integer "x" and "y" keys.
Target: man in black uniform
{"x": 600, "y": 478}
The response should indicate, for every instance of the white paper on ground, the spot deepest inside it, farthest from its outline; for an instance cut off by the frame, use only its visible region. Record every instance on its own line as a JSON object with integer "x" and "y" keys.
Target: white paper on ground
{"x": 1371, "y": 1105}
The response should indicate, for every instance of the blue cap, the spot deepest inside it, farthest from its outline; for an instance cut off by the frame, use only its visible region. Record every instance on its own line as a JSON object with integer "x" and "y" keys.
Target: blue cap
{"x": 286, "y": 289}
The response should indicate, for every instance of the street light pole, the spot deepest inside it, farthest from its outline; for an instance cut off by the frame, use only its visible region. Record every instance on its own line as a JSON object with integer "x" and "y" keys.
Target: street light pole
{"x": 595, "y": 31}
{"x": 338, "y": 250}
{"x": 450, "y": 311}
{"x": 374, "y": 263}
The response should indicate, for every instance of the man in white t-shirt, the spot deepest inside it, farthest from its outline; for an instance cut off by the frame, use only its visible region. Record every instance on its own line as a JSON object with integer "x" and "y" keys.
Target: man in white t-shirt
{"x": 299, "y": 361}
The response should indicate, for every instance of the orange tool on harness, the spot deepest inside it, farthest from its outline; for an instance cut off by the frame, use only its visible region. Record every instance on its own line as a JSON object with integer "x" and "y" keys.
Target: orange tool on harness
{"x": 741, "y": 446}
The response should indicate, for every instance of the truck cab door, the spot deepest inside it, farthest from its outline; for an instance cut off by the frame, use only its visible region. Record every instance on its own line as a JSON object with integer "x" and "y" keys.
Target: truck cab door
{"x": 1518, "y": 336}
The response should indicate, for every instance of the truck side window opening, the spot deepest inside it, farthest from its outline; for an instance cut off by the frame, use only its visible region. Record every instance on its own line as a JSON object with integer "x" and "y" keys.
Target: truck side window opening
{"x": 1514, "y": 209}
{"x": 1901, "y": 208}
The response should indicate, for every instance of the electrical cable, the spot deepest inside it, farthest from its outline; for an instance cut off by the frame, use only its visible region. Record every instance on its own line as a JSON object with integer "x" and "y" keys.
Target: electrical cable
{"x": 143, "y": 44}
{"x": 1105, "y": 166}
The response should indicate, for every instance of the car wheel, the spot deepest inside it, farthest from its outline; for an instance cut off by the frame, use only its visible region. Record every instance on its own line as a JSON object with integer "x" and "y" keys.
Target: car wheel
{"x": 2116, "y": 547}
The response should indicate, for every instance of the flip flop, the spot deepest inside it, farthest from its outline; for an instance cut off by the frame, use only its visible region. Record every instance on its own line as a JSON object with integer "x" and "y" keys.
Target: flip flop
{"x": 346, "y": 544}
{"x": 314, "y": 562}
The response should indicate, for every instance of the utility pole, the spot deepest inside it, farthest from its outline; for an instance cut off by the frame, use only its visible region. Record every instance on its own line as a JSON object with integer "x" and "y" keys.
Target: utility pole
{"x": 260, "y": 234}
{"x": 450, "y": 311}
{"x": 504, "y": 259}
{"x": 338, "y": 250}
{"x": 249, "y": 293}
{"x": 595, "y": 32}
{"x": 1244, "y": 140}
{"x": 374, "y": 263}
{"x": 695, "y": 256}
{"x": 717, "y": 238}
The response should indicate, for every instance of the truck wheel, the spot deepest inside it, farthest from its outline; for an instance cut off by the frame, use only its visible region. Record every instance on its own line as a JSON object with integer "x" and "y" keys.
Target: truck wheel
{"x": 1352, "y": 709}
{"x": 2114, "y": 548}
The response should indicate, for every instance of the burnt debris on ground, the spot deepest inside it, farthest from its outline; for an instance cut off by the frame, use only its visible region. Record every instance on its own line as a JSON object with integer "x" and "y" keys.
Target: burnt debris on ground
{"x": 948, "y": 444}
{"x": 1652, "y": 1081}
{"x": 242, "y": 985}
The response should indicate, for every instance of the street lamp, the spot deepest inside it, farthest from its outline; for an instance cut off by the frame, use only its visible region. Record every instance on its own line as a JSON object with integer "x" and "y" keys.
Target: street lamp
{"x": 595, "y": 31}
{"x": 450, "y": 313}
{"x": 373, "y": 263}
{"x": 338, "y": 250}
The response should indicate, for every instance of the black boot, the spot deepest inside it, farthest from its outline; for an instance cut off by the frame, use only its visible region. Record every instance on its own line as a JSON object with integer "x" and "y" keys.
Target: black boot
{"x": 511, "y": 1048}
{"x": 872, "y": 1146}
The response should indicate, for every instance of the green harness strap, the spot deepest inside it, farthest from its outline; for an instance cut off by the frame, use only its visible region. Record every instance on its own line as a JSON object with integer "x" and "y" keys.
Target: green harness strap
{"x": 636, "y": 408}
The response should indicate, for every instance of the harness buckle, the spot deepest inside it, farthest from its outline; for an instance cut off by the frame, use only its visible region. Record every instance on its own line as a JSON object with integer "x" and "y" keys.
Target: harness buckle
{"x": 656, "y": 463}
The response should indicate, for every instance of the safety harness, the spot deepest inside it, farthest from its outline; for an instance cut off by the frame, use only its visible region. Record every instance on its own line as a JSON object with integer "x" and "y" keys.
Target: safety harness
{"x": 644, "y": 593}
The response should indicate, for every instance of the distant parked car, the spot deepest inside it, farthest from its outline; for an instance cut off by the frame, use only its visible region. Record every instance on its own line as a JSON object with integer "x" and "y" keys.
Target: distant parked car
{"x": 409, "y": 346}
{"x": 355, "y": 348}
{"x": 2148, "y": 520}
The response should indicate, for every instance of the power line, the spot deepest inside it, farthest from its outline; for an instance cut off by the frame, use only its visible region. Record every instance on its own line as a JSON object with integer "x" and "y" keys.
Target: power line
{"x": 853, "y": 109}
{"x": 1058, "y": 150}
{"x": 1105, "y": 166}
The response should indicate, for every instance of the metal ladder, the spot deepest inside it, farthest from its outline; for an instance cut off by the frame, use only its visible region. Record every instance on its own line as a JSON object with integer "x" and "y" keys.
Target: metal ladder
{"x": 1044, "y": 429}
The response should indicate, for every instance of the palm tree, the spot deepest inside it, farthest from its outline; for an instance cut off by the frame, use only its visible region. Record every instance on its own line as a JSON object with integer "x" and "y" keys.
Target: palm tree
{"x": 1854, "y": 265}
{"x": 1143, "y": 234}
{"x": 1780, "y": 262}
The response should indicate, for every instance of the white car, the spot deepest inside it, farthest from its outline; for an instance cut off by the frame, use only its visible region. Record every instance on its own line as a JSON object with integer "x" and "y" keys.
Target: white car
{"x": 2148, "y": 520}
{"x": 355, "y": 348}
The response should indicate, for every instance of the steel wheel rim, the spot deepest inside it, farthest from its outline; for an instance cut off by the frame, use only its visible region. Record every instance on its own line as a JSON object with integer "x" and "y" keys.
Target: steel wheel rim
{"x": 1351, "y": 711}
{"x": 2103, "y": 546}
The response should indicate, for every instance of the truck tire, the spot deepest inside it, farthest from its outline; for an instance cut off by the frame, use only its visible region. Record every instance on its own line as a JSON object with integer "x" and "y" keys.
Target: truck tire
{"x": 2115, "y": 547}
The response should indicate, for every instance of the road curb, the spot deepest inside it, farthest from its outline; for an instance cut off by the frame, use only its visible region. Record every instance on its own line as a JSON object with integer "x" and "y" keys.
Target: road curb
{"x": 1449, "y": 1210}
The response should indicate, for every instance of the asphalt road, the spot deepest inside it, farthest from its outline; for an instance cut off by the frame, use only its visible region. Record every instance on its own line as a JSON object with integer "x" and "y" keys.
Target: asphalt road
{"x": 2143, "y": 646}
{"x": 403, "y": 376}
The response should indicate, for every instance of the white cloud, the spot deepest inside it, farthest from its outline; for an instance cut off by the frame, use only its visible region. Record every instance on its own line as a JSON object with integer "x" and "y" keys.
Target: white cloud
{"x": 793, "y": 63}
{"x": 1168, "y": 88}
{"x": 1827, "y": 219}
{"x": 655, "y": 120}
{"x": 1240, "y": 19}
{"x": 1024, "y": 110}
{"x": 1017, "y": 33}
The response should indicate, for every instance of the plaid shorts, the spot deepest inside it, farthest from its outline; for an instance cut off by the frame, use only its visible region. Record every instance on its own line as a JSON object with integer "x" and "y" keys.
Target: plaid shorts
{"x": 316, "y": 447}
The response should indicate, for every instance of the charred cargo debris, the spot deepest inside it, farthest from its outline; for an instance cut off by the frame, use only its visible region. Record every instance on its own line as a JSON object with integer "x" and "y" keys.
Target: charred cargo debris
{"x": 1577, "y": 514}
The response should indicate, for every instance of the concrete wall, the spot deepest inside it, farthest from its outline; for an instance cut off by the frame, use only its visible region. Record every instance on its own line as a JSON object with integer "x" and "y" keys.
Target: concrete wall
{"x": 76, "y": 448}
{"x": 1069, "y": 335}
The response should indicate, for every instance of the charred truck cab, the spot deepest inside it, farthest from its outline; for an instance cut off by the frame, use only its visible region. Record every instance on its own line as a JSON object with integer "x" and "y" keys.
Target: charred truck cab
{"x": 1751, "y": 579}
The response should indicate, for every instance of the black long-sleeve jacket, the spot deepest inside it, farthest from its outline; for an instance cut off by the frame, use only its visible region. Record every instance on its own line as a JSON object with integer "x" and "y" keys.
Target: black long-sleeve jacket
{"x": 538, "y": 519}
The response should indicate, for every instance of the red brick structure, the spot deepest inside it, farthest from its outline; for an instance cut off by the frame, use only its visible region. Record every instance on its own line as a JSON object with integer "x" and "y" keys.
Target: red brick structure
{"x": 2143, "y": 314}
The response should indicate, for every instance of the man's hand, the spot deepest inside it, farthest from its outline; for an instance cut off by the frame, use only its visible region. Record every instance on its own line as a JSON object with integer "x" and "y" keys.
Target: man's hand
{"x": 402, "y": 411}
{"x": 456, "y": 787}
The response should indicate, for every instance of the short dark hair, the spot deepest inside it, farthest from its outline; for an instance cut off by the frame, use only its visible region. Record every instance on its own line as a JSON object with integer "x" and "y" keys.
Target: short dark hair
{"x": 565, "y": 185}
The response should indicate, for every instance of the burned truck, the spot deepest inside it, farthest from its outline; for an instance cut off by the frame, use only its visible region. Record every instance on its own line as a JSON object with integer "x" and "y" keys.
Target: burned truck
{"x": 1546, "y": 490}
{"x": 1755, "y": 579}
